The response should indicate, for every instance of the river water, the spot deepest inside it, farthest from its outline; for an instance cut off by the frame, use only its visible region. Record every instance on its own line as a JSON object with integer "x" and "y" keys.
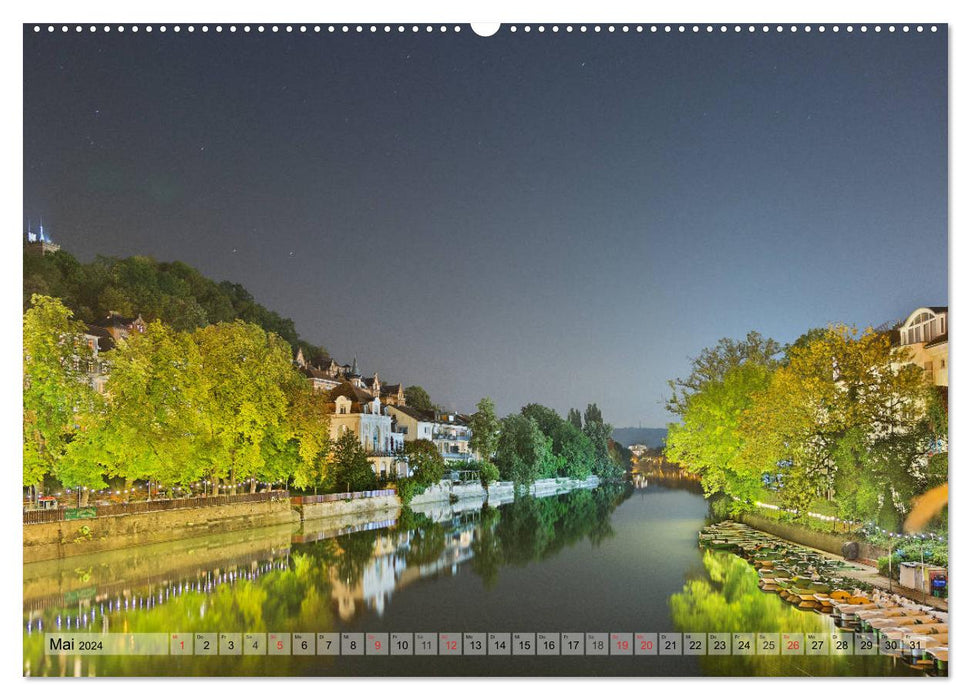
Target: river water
{"x": 615, "y": 559}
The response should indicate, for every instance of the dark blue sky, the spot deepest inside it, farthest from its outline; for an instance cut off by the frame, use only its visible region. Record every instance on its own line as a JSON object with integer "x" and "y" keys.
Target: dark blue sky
{"x": 546, "y": 217}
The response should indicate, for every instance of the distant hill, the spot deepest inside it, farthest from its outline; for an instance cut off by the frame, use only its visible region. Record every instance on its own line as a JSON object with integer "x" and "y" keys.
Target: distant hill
{"x": 652, "y": 437}
{"x": 172, "y": 292}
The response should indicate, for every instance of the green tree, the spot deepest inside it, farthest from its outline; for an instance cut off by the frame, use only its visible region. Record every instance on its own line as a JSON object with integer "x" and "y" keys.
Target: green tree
{"x": 171, "y": 292}
{"x": 350, "y": 469}
{"x": 425, "y": 461}
{"x": 574, "y": 418}
{"x": 57, "y": 398}
{"x": 247, "y": 373}
{"x": 849, "y": 417}
{"x": 710, "y": 438}
{"x": 599, "y": 434}
{"x": 712, "y": 364}
{"x": 416, "y": 397}
{"x": 485, "y": 429}
{"x": 522, "y": 451}
{"x": 488, "y": 473}
{"x": 571, "y": 451}
{"x": 308, "y": 430}
{"x": 153, "y": 427}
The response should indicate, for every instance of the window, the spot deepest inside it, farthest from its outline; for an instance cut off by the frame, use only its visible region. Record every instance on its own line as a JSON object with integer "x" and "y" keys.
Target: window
{"x": 943, "y": 364}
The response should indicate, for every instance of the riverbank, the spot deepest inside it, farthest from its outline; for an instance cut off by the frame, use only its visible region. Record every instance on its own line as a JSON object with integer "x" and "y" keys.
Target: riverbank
{"x": 194, "y": 518}
{"x": 827, "y": 545}
{"x": 68, "y": 538}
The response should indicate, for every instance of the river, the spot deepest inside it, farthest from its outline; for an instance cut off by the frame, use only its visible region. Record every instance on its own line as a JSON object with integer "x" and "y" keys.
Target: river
{"x": 615, "y": 559}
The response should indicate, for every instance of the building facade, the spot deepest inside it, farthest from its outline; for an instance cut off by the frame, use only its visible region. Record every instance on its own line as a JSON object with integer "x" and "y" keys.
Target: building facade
{"x": 451, "y": 434}
{"x": 924, "y": 335}
{"x": 354, "y": 409}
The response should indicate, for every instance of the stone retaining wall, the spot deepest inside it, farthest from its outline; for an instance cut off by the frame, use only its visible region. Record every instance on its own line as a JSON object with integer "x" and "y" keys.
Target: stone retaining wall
{"x": 67, "y": 538}
{"x": 341, "y": 509}
{"x": 498, "y": 491}
{"x": 57, "y": 540}
{"x": 827, "y": 542}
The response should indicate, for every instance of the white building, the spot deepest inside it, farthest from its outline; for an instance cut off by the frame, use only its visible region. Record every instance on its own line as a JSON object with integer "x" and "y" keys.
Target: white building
{"x": 450, "y": 432}
{"x": 354, "y": 409}
{"x": 924, "y": 334}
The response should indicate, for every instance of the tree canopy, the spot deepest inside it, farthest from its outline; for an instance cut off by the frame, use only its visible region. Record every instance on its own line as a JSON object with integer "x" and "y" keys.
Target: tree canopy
{"x": 416, "y": 397}
{"x": 171, "y": 292}
{"x": 843, "y": 417}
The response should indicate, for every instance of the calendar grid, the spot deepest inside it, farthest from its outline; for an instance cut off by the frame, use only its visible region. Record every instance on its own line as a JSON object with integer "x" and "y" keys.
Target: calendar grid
{"x": 387, "y": 644}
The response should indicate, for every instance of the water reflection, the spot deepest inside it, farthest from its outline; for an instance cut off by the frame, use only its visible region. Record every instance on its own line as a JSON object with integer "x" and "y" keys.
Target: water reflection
{"x": 317, "y": 581}
{"x": 727, "y": 599}
{"x": 611, "y": 559}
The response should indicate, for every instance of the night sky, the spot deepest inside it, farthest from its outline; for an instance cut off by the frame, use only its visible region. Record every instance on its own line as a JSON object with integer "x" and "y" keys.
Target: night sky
{"x": 558, "y": 218}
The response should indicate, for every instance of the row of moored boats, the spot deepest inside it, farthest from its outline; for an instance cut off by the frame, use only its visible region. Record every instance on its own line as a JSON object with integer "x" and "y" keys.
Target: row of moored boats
{"x": 815, "y": 582}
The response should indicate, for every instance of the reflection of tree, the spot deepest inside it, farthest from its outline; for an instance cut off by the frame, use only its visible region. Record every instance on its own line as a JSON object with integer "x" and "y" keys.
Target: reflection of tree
{"x": 532, "y": 529}
{"x": 294, "y": 598}
{"x": 357, "y": 549}
{"x": 729, "y": 600}
{"x": 427, "y": 545}
{"x": 487, "y": 548}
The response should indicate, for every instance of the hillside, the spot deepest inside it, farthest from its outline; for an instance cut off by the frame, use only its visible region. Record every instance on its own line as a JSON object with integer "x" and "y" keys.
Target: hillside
{"x": 652, "y": 437}
{"x": 172, "y": 292}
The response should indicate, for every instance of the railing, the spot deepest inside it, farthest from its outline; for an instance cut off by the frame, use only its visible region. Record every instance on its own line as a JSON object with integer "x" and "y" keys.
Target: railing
{"x": 345, "y": 496}
{"x": 51, "y": 515}
{"x": 57, "y": 514}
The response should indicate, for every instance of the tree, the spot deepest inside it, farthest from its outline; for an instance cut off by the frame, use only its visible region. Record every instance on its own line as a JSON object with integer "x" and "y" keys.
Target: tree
{"x": 425, "y": 461}
{"x": 710, "y": 440}
{"x": 488, "y": 473}
{"x": 546, "y": 418}
{"x": 485, "y": 429}
{"x": 247, "y": 373}
{"x": 572, "y": 453}
{"x": 350, "y": 469}
{"x": 57, "y": 398}
{"x": 848, "y": 417}
{"x": 416, "y": 397}
{"x": 712, "y": 364}
{"x": 599, "y": 434}
{"x": 573, "y": 418}
{"x": 522, "y": 450}
{"x": 171, "y": 292}
{"x": 308, "y": 433}
{"x": 153, "y": 427}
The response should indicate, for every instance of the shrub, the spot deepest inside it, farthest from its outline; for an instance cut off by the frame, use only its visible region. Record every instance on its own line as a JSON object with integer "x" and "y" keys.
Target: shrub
{"x": 488, "y": 473}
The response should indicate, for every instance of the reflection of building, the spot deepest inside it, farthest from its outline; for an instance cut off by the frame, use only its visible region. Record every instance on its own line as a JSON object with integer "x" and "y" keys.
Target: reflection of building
{"x": 354, "y": 409}
{"x": 924, "y": 334}
{"x": 388, "y": 570}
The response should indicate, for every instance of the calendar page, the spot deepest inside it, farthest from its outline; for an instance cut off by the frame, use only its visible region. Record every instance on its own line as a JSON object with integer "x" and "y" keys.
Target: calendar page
{"x": 527, "y": 349}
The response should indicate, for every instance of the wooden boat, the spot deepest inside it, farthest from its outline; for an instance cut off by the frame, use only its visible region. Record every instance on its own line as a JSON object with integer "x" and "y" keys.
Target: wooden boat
{"x": 807, "y": 602}
{"x": 894, "y": 622}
